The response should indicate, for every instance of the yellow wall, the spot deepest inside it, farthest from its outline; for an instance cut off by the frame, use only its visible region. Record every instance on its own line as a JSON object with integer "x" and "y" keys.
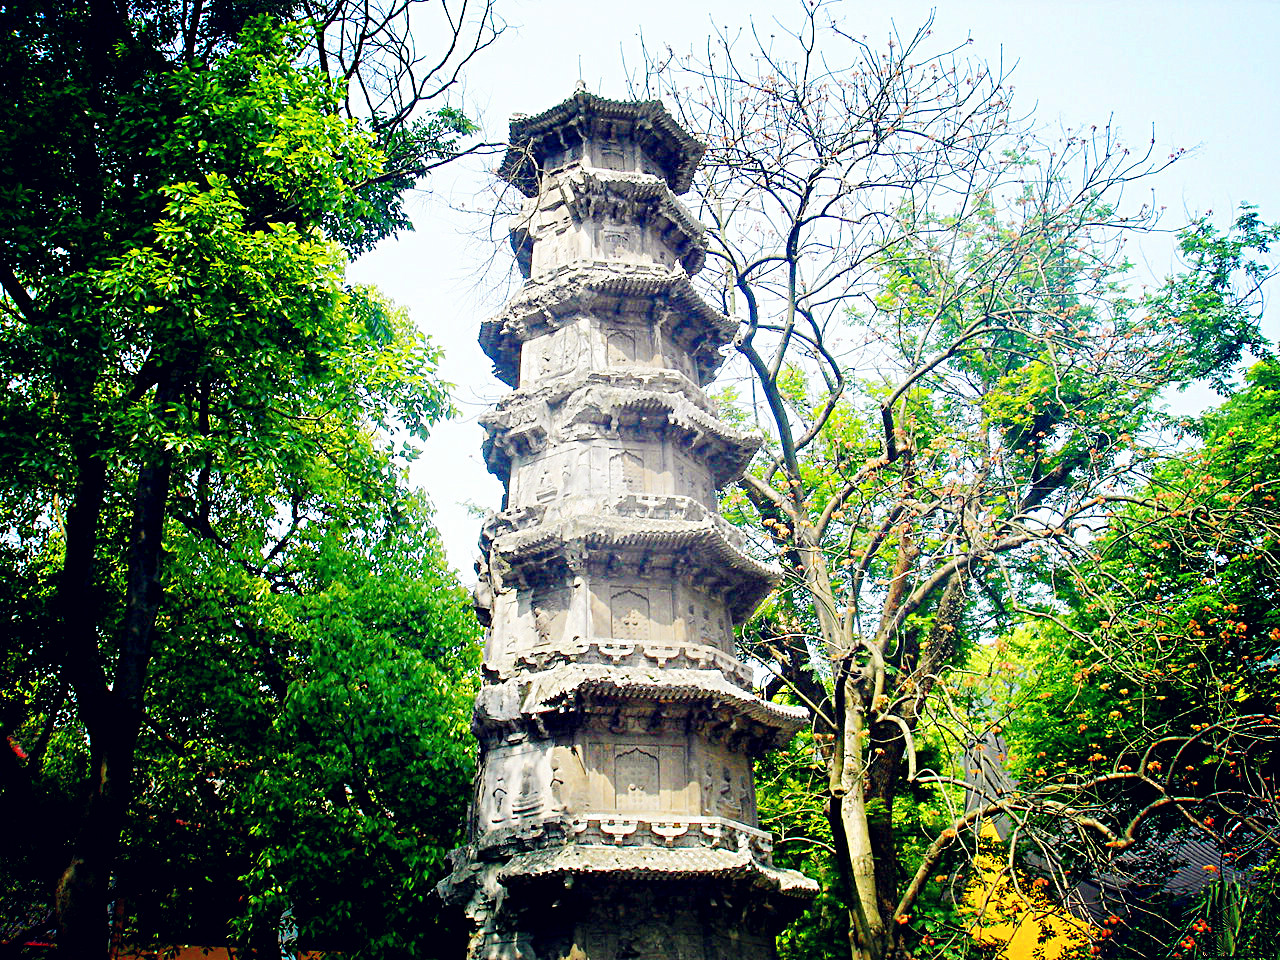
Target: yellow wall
{"x": 1020, "y": 917}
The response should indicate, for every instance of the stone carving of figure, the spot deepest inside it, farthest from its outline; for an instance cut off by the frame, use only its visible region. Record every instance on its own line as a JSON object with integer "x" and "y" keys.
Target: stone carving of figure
{"x": 528, "y": 801}
{"x": 568, "y": 778}
{"x": 546, "y": 489}
{"x": 542, "y": 624}
{"x": 498, "y": 800}
{"x": 482, "y": 596}
{"x": 730, "y": 802}
{"x": 709, "y": 789}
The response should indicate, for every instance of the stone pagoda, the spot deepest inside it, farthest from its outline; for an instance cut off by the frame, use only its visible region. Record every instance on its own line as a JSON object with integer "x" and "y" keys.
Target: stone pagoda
{"x": 614, "y": 816}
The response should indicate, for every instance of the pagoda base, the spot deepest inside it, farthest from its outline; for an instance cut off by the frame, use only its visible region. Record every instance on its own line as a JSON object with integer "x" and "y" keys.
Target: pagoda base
{"x": 733, "y": 913}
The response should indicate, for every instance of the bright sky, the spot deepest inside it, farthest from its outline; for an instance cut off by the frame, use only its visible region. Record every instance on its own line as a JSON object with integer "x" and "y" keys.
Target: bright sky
{"x": 1204, "y": 74}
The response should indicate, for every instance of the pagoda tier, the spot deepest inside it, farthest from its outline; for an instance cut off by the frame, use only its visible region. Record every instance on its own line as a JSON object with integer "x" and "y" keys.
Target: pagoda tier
{"x": 591, "y": 132}
{"x": 599, "y": 315}
{"x": 572, "y": 417}
{"x": 614, "y": 814}
{"x": 633, "y": 216}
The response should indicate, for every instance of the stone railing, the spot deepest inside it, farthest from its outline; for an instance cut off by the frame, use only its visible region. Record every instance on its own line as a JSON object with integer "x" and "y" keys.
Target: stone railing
{"x": 635, "y": 830}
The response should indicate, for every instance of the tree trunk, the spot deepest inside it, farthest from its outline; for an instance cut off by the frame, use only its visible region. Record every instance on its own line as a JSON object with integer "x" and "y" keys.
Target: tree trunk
{"x": 112, "y": 716}
{"x": 869, "y": 934}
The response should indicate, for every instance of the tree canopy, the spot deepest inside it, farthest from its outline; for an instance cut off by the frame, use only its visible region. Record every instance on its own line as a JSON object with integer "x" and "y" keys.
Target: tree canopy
{"x": 960, "y": 381}
{"x": 213, "y": 571}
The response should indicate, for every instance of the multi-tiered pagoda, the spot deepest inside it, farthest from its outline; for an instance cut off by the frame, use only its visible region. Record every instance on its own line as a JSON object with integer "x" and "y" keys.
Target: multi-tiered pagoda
{"x": 614, "y": 816}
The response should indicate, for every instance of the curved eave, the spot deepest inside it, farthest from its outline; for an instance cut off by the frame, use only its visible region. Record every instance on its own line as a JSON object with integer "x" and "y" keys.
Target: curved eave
{"x": 640, "y": 187}
{"x": 585, "y": 186}
{"x": 602, "y": 400}
{"x": 677, "y": 152}
{"x": 572, "y": 289}
{"x": 656, "y": 863}
{"x": 702, "y": 541}
{"x": 584, "y": 683}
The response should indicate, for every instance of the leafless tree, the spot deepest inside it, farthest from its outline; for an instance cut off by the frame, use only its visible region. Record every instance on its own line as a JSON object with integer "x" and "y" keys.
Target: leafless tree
{"x": 942, "y": 347}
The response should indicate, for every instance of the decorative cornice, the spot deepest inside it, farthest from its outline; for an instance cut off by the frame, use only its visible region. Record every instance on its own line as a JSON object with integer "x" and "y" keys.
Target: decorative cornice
{"x": 602, "y": 288}
{"x": 621, "y": 653}
{"x": 710, "y": 546}
{"x": 584, "y": 116}
{"x": 524, "y": 423}
{"x": 669, "y": 831}
{"x": 656, "y": 863}
{"x": 604, "y": 195}
{"x": 583, "y": 689}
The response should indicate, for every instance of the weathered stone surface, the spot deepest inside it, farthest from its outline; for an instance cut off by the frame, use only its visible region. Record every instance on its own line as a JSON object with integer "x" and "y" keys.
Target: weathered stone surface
{"x": 591, "y": 132}
{"x": 615, "y": 816}
{"x": 618, "y": 317}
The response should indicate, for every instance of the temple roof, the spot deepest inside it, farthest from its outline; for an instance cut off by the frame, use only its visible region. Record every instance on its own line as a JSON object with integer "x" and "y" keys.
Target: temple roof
{"x": 583, "y": 116}
{"x": 622, "y": 196}
{"x": 602, "y": 288}
{"x": 708, "y": 545}
{"x": 586, "y": 680}
{"x": 606, "y": 650}
{"x": 521, "y": 423}
{"x": 656, "y": 863}
{"x": 581, "y": 689}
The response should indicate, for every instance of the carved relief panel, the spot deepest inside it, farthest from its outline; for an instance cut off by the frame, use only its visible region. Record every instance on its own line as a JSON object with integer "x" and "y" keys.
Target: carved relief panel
{"x": 627, "y": 473}
{"x": 691, "y": 479}
{"x": 569, "y": 781}
{"x": 627, "y": 774}
{"x": 545, "y": 477}
{"x": 621, "y": 348}
{"x": 531, "y": 620}
{"x": 516, "y": 786}
{"x": 548, "y": 614}
{"x": 706, "y": 621}
{"x": 635, "y": 933}
{"x": 628, "y": 344}
{"x": 629, "y": 615}
{"x": 725, "y": 786}
{"x": 631, "y": 612}
{"x": 611, "y": 154}
{"x": 558, "y": 238}
{"x": 620, "y": 241}
{"x": 619, "y": 468}
{"x": 550, "y": 355}
{"x": 636, "y": 780}
{"x": 674, "y": 358}
{"x": 506, "y": 614}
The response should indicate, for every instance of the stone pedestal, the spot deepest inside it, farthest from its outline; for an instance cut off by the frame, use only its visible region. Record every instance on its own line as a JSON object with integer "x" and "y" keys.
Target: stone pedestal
{"x": 614, "y": 816}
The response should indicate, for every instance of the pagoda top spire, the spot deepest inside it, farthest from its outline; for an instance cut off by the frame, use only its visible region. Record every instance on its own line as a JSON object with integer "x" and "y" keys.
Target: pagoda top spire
{"x": 624, "y": 135}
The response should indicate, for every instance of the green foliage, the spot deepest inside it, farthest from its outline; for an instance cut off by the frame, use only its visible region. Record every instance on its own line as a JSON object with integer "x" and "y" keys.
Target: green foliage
{"x": 1173, "y": 623}
{"x": 1158, "y": 681}
{"x": 297, "y": 729}
{"x": 211, "y": 571}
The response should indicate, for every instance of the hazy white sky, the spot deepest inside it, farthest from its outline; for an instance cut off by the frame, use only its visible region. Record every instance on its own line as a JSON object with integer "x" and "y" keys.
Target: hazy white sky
{"x": 1203, "y": 74}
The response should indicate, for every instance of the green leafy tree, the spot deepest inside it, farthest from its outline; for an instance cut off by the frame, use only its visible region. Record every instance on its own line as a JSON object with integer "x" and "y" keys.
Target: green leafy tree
{"x": 940, "y": 338}
{"x": 187, "y": 371}
{"x": 326, "y": 772}
{"x": 1167, "y": 654}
